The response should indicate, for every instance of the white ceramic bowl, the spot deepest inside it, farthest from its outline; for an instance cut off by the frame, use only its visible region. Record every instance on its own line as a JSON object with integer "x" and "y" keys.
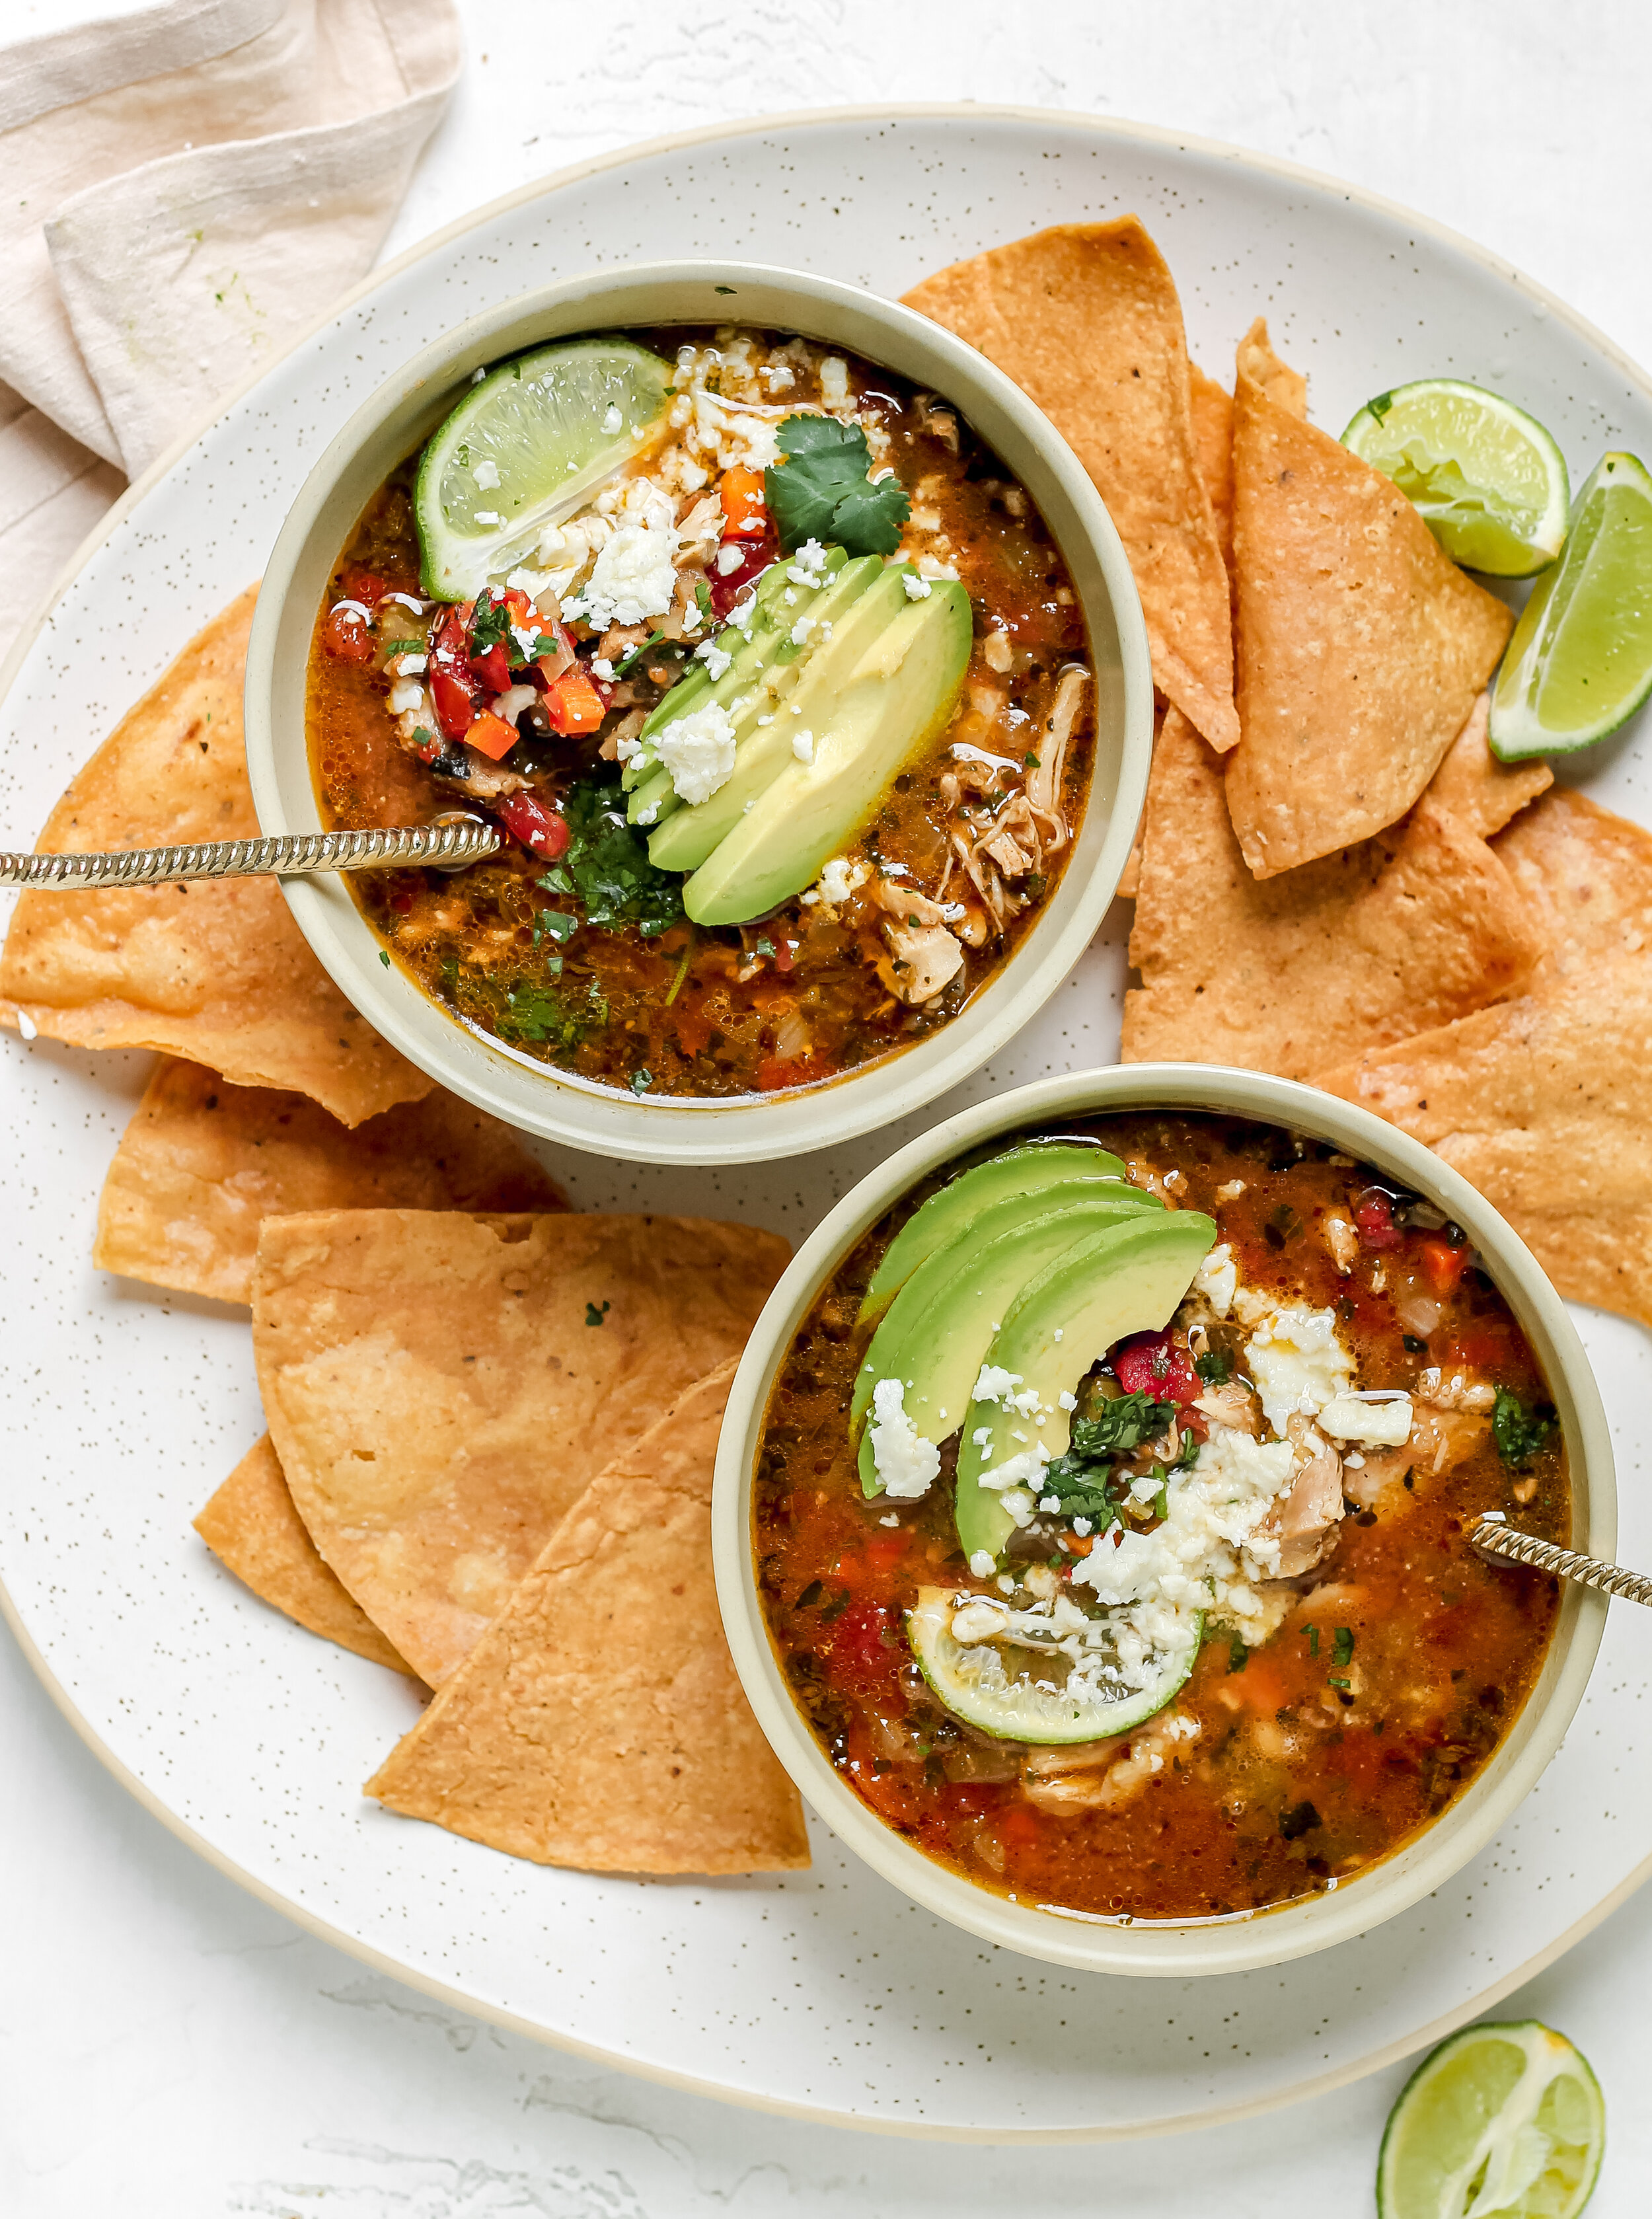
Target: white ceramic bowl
{"x": 606, "y": 1120}
{"x": 1243, "y": 1942}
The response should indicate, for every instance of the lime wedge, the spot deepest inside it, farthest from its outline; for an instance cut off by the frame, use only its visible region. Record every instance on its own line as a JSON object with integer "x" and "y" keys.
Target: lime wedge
{"x": 1580, "y": 663}
{"x": 526, "y": 447}
{"x": 1499, "y": 2123}
{"x": 1485, "y": 477}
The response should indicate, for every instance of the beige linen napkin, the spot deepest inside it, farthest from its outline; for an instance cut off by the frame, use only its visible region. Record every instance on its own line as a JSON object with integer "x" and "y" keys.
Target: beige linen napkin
{"x": 181, "y": 192}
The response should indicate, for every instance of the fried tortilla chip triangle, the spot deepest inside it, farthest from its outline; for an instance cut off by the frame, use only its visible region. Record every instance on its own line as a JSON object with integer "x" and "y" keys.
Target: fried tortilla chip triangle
{"x": 597, "y": 1721}
{"x": 1545, "y": 1102}
{"x": 1477, "y": 789}
{"x": 203, "y": 1163}
{"x": 1361, "y": 645}
{"x": 440, "y": 1387}
{"x": 1414, "y": 926}
{"x": 254, "y": 1530}
{"x": 1085, "y": 318}
{"x": 215, "y": 969}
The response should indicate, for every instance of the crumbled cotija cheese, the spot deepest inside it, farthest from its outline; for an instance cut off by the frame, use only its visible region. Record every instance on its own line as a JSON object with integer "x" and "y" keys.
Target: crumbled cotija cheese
{"x": 904, "y": 1460}
{"x": 1297, "y": 1362}
{"x": 633, "y": 578}
{"x": 698, "y": 751}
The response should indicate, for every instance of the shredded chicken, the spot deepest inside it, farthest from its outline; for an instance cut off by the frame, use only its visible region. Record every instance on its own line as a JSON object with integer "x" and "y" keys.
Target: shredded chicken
{"x": 1230, "y": 1405}
{"x": 935, "y": 417}
{"x": 484, "y": 779}
{"x": 908, "y": 905}
{"x": 1101, "y": 1774}
{"x": 927, "y": 958}
{"x": 1043, "y": 783}
{"x": 1343, "y": 1241}
{"x": 1304, "y": 1521}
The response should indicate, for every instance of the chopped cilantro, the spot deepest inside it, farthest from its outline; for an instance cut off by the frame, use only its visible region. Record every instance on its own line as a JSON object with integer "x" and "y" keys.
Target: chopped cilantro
{"x": 1342, "y": 1648}
{"x": 593, "y": 1316}
{"x": 405, "y": 647}
{"x": 765, "y": 947}
{"x": 836, "y": 1606}
{"x": 822, "y": 490}
{"x": 1332, "y": 1679}
{"x": 1519, "y": 1433}
{"x": 1293, "y": 1823}
{"x": 633, "y": 654}
{"x": 384, "y": 957}
{"x": 1031, "y": 761}
{"x": 642, "y": 1079}
{"x": 1124, "y": 1423}
{"x": 810, "y": 1595}
{"x": 1214, "y": 1367}
{"x": 554, "y": 921}
{"x": 1238, "y": 1655}
{"x": 534, "y": 1012}
{"x": 490, "y": 623}
{"x": 608, "y": 865}
{"x": 1314, "y": 1641}
{"x": 702, "y": 600}
{"x": 1380, "y": 406}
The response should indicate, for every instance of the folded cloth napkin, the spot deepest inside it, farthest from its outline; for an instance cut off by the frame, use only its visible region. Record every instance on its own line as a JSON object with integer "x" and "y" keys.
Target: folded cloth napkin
{"x": 183, "y": 189}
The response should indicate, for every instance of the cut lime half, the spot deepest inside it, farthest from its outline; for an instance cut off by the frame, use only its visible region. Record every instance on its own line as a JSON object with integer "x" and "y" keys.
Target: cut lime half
{"x": 1499, "y": 2123}
{"x": 527, "y": 447}
{"x": 1032, "y": 1705}
{"x": 1484, "y": 476}
{"x": 1580, "y": 663}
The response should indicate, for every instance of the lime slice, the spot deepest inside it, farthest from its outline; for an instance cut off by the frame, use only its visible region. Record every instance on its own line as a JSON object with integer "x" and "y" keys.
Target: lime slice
{"x": 970, "y": 1680}
{"x": 1499, "y": 2123}
{"x": 526, "y": 447}
{"x": 1580, "y": 663}
{"x": 1485, "y": 477}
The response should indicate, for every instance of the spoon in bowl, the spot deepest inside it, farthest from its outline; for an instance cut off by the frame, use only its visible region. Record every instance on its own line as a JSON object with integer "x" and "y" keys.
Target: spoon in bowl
{"x": 1495, "y": 1537}
{"x": 447, "y": 845}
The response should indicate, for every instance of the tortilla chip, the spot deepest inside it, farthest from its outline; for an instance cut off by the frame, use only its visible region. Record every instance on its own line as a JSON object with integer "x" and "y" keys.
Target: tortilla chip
{"x": 1361, "y": 644}
{"x": 440, "y": 1387}
{"x": 597, "y": 1721}
{"x": 216, "y": 970}
{"x": 1085, "y": 318}
{"x": 253, "y": 1529}
{"x": 1475, "y": 787}
{"x": 1212, "y": 440}
{"x": 1545, "y": 1102}
{"x": 203, "y": 1163}
{"x": 1350, "y": 949}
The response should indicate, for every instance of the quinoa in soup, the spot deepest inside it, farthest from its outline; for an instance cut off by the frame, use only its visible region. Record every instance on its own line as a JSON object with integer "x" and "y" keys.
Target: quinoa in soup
{"x": 788, "y": 719}
{"x": 1111, "y": 1518}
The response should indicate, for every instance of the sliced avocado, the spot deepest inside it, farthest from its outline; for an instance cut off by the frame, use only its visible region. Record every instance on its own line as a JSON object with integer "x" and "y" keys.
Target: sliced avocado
{"x": 797, "y": 676}
{"x": 1128, "y": 1278}
{"x": 1025, "y": 1169}
{"x": 752, "y": 652}
{"x": 938, "y": 1329}
{"x": 877, "y": 715}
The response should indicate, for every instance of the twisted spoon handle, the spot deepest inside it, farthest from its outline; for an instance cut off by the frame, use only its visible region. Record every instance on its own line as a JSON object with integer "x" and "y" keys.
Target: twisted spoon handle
{"x": 1496, "y": 1539}
{"x": 288, "y": 855}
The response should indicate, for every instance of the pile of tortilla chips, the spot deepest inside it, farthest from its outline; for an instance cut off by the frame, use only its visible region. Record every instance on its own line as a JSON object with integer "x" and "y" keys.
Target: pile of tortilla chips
{"x": 491, "y": 1422}
{"x": 1335, "y": 881}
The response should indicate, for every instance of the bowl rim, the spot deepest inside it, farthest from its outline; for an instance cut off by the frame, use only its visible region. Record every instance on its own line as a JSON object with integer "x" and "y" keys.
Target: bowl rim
{"x": 744, "y": 1128}
{"x": 1246, "y": 1941}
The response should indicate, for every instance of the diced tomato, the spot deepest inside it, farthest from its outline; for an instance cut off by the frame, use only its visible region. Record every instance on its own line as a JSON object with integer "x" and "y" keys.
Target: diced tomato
{"x": 884, "y": 1549}
{"x": 756, "y": 556}
{"x": 1444, "y": 1265}
{"x": 1153, "y": 1364}
{"x": 862, "y": 1658}
{"x": 527, "y": 819}
{"x": 745, "y": 513}
{"x": 786, "y": 956}
{"x": 1374, "y": 1220}
{"x": 346, "y": 637}
{"x": 492, "y": 671}
{"x": 572, "y": 703}
{"x": 453, "y": 689}
{"x": 491, "y": 735}
{"x": 1479, "y": 1348}
{"x": 693, "y": 1032}
{"x": 1019, "y": 1827}
{"x": 366, "y": 586}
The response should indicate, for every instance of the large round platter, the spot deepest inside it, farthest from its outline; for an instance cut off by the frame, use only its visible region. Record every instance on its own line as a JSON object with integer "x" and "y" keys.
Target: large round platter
{"x": 826, "y": 1993}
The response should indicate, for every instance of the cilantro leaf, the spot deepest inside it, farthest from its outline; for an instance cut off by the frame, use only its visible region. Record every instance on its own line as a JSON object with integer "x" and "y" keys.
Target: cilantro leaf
{"x": 1214, "y": 1367}
{"x": 608, "y": 863}
{"x": 489, "y": 624}
{"x": 822, "y": 490}
{"x": 1517, "y": 1432}
{"x": 1124, "y": 1423}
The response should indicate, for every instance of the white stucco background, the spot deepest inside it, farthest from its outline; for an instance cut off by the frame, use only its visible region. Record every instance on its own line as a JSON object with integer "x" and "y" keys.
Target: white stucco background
{"x": 169, "y": 2048}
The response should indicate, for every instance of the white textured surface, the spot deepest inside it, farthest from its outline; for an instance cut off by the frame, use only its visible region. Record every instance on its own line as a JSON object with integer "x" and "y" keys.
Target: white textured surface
{"x": 168, "y": 2045}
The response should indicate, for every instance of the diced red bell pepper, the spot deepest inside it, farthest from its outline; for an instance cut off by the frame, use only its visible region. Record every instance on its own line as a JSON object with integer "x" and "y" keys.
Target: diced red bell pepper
{"x": 527, "y": 819}
{"x": 491, "y": 735}
{"x": 756, "y": 557}
{"x": 1374, "y": 1220}
{"x": 492, "y": 671}
{"x": 775, "y": 1071}
{"x": 366, "y": 586}
{"x": 1153, "y": 1364}
{"x": 861, "y": 1658}
{"x": 572, "y": 703}
{"x": 1444, "y": 1265}
{"x": 745, "y": 513}
{"x": 346, "y": 637}
{"x": 452, "y": 688}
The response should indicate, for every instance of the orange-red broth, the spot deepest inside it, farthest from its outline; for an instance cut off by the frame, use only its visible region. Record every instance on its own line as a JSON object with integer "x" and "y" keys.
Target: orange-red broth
{"x": 1293, "y": 1780}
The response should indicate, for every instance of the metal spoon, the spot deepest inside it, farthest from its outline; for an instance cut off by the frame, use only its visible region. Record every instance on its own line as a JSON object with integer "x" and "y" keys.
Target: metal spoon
{"x": 1495, "y": 1537}
{"x": 447, "y": 845}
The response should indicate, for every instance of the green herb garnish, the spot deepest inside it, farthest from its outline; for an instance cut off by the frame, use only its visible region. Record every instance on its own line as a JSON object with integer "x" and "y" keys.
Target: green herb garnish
{"x": 1342, "y": 1648}
{"x": 823, "y": 489}
{"x": 1519, "y": 1433}
{"x": 1215, "y": 1368}
{"x": 1238, "y": 1655}
{"x": 607, "y": 864}
{"x": 642, "y": 1079}
{"x": 1314, "y": 1641}
{"x": 632, "y": 653}
{"x": 490, "y": 623}
{"x": 593, "y": 1316}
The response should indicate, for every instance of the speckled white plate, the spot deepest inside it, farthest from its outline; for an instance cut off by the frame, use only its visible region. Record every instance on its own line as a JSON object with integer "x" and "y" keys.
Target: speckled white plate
{"x": 826, "y": 1993}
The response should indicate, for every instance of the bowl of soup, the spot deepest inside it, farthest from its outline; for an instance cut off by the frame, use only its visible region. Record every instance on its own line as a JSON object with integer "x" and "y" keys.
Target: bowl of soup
{"x": 1091, "y": 1520}
{"x": 791, "y": 655}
